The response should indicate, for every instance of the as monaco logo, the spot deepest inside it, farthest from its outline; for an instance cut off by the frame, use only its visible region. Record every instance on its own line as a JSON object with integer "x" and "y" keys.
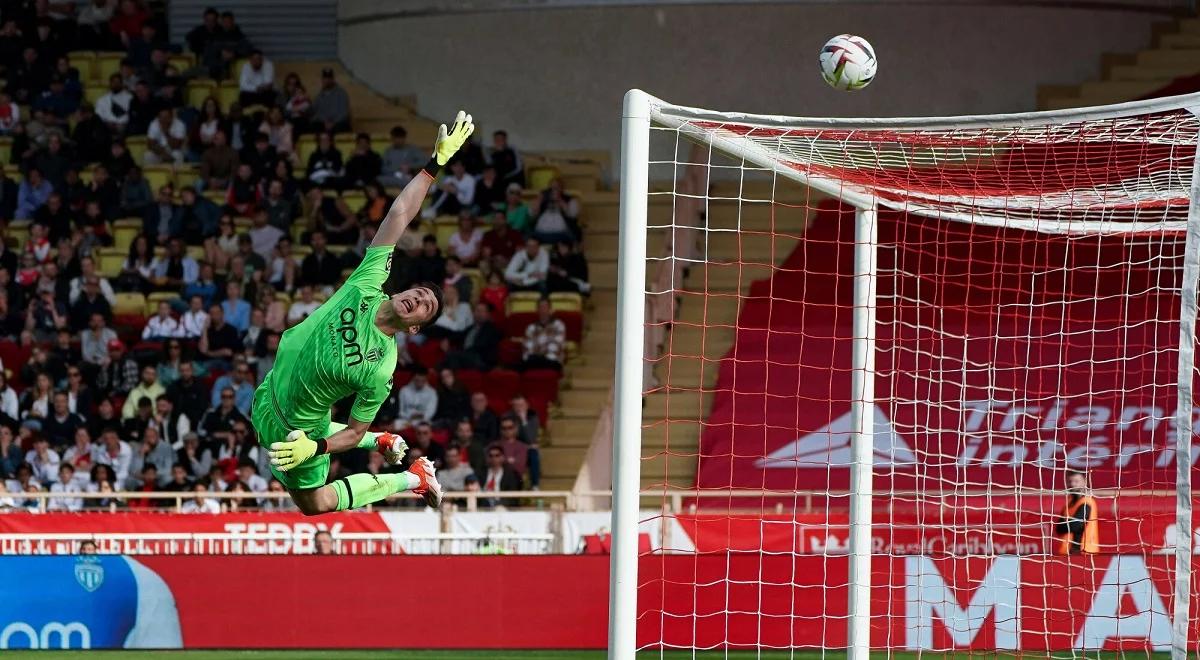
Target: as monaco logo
{"x": 89, "y": 573}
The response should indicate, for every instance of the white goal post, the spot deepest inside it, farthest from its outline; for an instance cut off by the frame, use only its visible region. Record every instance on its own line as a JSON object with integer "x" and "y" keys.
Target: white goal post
{"x": 1108, "y": 192}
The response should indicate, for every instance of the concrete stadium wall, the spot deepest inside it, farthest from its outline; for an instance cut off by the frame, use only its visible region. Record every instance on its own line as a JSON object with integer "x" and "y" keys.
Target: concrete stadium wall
{"x": 555, "y": 78}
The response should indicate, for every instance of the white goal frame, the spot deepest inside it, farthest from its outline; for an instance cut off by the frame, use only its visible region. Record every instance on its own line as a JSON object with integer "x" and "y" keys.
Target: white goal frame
{"x": 640, "y": 111}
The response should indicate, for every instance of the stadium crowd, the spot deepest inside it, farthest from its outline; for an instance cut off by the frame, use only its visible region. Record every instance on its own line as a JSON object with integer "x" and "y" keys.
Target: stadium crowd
{"x": 157, "y": 243}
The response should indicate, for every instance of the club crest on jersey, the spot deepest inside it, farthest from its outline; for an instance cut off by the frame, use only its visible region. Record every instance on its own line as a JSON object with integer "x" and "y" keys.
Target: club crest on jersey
{"x": 89, "y": 573}
{"x": 362, "y": 307}
{"x": 374, "y": 354}
{"x": 349, "y": 336}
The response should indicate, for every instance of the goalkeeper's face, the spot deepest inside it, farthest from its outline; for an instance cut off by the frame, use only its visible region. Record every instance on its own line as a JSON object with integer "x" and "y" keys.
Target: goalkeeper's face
{"x": 414, "y": 308}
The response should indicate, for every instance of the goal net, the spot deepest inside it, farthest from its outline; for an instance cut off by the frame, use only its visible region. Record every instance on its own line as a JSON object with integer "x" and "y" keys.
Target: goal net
{"x": 914, "y": 384}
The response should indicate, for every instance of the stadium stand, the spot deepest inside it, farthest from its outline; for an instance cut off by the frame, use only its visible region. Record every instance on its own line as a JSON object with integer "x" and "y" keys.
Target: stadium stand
{"x": 160, "y": 206}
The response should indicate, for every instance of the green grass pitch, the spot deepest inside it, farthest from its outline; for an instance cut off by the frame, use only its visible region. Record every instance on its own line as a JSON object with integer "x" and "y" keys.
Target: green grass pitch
{"x": 545, "y": 655}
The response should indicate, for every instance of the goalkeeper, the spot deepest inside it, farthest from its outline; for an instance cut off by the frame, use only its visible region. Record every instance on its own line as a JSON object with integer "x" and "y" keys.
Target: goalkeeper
{"x": 348, "y": 346}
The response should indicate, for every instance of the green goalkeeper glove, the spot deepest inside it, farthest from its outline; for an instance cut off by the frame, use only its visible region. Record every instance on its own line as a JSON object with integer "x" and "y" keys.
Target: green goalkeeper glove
{"x": 449, "y": 142}
{"x": 293, "y": 451}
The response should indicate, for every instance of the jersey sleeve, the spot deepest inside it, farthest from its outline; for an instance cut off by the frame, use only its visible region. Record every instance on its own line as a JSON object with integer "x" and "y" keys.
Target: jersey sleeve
{"x": 374, "y": 269}
{"x": 371, "y": 396}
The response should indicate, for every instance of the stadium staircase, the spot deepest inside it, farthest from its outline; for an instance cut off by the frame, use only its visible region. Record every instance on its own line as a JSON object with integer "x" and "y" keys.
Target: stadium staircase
{"x": 1172, "y": 59}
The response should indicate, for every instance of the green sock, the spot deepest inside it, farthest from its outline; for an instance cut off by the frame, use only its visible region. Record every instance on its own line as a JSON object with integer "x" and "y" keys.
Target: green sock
{"x": 361, "y": 489}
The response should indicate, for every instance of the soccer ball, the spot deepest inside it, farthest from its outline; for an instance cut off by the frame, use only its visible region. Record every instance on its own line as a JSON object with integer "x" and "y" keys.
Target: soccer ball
{"x": 848, "y": 62}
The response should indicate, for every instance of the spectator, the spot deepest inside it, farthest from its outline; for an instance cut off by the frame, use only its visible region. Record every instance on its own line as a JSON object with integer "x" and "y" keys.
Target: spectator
{"x": 499, "y": 243}
{"x": 280, "y": 209}
{"x": 331, "y": 108}
{"x": 166, "y": 138}
{"x": 304, "y": 305}
{"x": 528, "y": 268}
{"x": 498, "y": 477}
{"x": 8, "y": 402}
{"x": 91, "y": 136}
{"x": 454, "y": 318}
{"x": 120, "y": 374}
{"x": 480, "y": 345}
{"x": 242, "y": 196}
{"x": 8, "y": 202}
{"x": 138, "y": 267}
{"x": 46, "y": 316}
{"x": 195, "y": 319}
{"x": 156, "y": 452}
{"x": 218, "y": 422}
{"x": 364, "y": 165}
{"x": 79, "y": 393}
{"x": 295, "y": 102}
{"x": 281, "y": 273}
{"x": 162, "y": 325}
{"x": 1077, "y": 527}
{"x": 220, "y": 340}
{"x": 250, "y": 263}
{"x": 188, "y": 395}
{"x": 92, "y": 23}
{"x": 25, "y": 80}
{"x": 196, "y": 460}
{"x": 401, "y": 160}
{"x": 483, "y": 420}
{"x": 456, "y": 192}
{"x": 147, "y": 388}
{"x": 467, "y": 241}
{"x": 79, "y": 454}
{"x": 179, "y": 481}
{"x": 90, "y": 302}
{"x": 517, "y": 213}
{"x": 60, "y": 425}
{"x": 200, "y": 37}
{"x": 323, "y": 543}
{"x": 147, "y": 483}
{"x": 490, "y": 192}
{"x": 247, "y": 474}
{"x": 257, "y": 81}
{"x": 56, "y": 102}
{"x": 11, "y": 455}
{"x": 545, "y": 340}
{"x": 87, "y": 272}
{"x": 429, "y": 266}
{"x": 176, "y": 269}
{"x": 195, "y": 219}
{"x": 115, "y": 453}
{"x": 237, "y": 310}
{"x": 331, "y": 216}
{"x": 240, "y": 382}
{"x": 106, "y": 416}
{"x": 264, "y": 237}
{"x": 556, "y": 215}
{"x": 133, "y": 428}
{"x": 454, "y": 401}
{"x": 103, "y": 190}
{"x": 135, "y": 190}
{"x": 279, "y": 134}
{"x": 201, "y": 503}
{"x": 43, "y": 460}
{"x": 456, "y": 278}
{"x": 12, "y": 322}
{"x": 127, "y": 23}
{"x": 55, "y": 217}
{"x": 32, "y": 194}
{"x": 159, "y": 217}
{"x": 218, "y": 163}
{"x": 325, "y": 163}
{"x": 417, "y": 401}
{"x": 260, "y": 155}
{"x": 506, "y": 160}
{"x": 423, "y": 445}
{"x": 65, "y": 483}
{"x": 239, "y": 128}
{"x": 320, "y": 269}
{"x": 52, "y": 162}
{"x": 144, "y": 111}
{"x": 94, "y": 341}
{"x": 10, "y": 114}
{"x": 232, "y": 34}
{"x": 471, "y": 449}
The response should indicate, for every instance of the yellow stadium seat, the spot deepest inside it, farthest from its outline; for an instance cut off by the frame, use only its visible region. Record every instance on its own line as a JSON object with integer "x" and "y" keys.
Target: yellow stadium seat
{"x": 355, "y": 199}
{"x": 563, "y": 301}
{"x": 344, "y": 142}
{"x": 5, "y": 149}
{"x": 539, "y": 178}
{"x": 93, "y": 91}
{"x": 158, "y": 176}
{"x": 85, "y": 61}
{"x": 109, "y": 261}
{"x": 227, "y": 94}
{"x": 242, "y": 224}
{"x": 522, "y": 301}
{"x": 444, "y": 227}
{"x": 182, "y": 61}
{"x": 380, "y": 142}
{"x": 300, "y": 251}
{"x": 298, "y": 229}
{"x": 130, "y": 303}
{"x": 186, "y": 177}
{"x": 18, "y": 230}
{"x": 477, "y": 282}
{"x": 215, "y": 196}
{"x": 199, "y": 90}
{"x": 338, "y": 249}
{"x": 108, "y": 64}
{"x": 136, "y": 144}
{"x": 305, "y": 146}
{"x": 124, "y": 231}
{"x": 15, "y": 174}
{"x": 196, "y": 252}
{"x": 159, "y": 296}
{"x": 235, "y": 71}
{"x": 283, "y": 298}
{"x": 87, "y": 174}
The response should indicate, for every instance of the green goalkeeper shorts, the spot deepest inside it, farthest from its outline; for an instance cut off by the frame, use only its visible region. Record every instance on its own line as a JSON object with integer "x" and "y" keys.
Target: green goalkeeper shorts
{"x": 270, "y": 427}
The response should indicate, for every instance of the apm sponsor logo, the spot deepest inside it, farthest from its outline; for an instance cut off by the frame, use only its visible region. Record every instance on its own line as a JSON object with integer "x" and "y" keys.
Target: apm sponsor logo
{"x": 54, "y": 634}
{"x": 349, "y": 336}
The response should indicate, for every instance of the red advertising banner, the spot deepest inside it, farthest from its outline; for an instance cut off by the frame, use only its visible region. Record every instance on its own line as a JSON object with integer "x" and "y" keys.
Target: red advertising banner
{"x": 1003, "y": 358}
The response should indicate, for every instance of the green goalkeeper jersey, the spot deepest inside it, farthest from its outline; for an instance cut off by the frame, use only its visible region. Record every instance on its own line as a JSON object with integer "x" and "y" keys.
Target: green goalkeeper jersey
{"x": 337, "y": 351}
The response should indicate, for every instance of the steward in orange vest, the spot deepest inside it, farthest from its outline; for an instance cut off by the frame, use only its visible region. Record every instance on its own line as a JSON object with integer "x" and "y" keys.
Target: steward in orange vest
{"x": 1077, "y": 528}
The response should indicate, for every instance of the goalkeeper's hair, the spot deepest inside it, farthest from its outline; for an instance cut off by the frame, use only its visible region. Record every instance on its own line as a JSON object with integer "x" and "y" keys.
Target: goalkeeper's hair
{"x": 437, "y": 294}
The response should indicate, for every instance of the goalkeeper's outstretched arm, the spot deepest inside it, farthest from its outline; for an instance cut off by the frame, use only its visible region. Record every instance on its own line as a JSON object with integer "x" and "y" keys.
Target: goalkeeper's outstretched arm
{"x": 408, "y": 202}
